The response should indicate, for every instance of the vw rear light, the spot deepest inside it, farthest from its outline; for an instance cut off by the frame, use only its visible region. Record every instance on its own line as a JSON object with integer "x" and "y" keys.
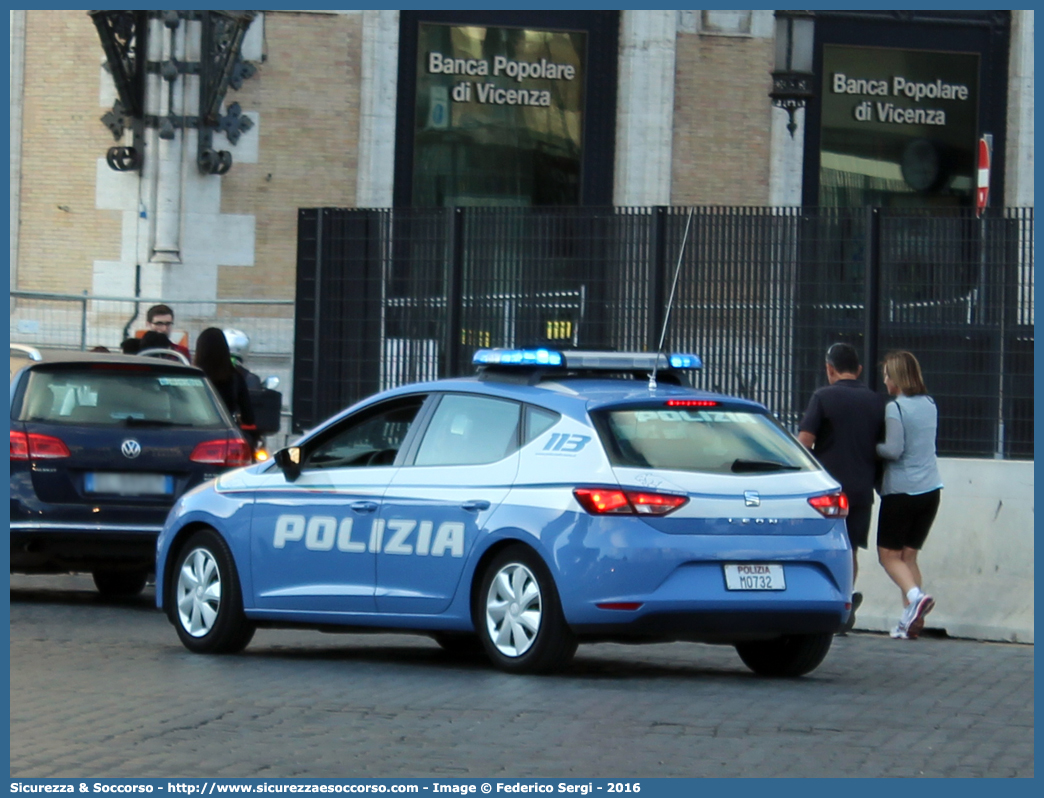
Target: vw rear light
{"x": 691, "y": 403}
{"x": 33, "y": 446}
{"x": 226, "y": 452}
{"x": 239, "y": 453}
{"x": 613, "y": 501}
{"x": 19, "y": 446}
{"x": 832, "y": 505}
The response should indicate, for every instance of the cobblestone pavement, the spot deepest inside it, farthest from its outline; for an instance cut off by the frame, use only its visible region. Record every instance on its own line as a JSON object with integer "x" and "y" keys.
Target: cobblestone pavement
{"x": 104, "y": 689}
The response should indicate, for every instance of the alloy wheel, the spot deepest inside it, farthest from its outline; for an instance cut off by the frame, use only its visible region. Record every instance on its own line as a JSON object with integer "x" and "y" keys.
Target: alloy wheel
{"x": 199, "y": 592}
{"x": 513, "y": 609}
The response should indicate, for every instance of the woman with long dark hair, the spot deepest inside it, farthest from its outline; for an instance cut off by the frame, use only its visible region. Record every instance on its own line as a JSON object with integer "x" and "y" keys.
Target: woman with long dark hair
{"x": 911, "y": 488}
{"x": 213, "y": 357}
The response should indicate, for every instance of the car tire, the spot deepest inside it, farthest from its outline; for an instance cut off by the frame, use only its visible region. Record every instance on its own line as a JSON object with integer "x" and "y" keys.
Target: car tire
{"x": 518, "y": 614}
{"x": 205, "y": 598}
{"x": 119, "y": 584}
{"x": 790, "y": 655}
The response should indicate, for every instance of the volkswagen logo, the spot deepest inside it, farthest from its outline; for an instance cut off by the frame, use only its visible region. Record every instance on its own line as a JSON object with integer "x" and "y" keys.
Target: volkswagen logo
{"x": 130, "y": 448}
{"x": 751, "y": 498}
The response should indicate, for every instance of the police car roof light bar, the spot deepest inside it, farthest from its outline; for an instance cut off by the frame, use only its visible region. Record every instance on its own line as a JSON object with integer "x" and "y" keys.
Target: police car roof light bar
{"x": 585, "y": 360}
{"x": 517, "y": 357}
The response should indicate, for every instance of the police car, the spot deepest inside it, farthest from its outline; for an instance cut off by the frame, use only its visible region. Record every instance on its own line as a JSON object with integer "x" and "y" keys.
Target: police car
{"x": 555, "y": 498}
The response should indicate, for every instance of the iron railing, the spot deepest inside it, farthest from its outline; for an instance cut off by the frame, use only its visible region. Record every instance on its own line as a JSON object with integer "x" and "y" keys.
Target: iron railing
{"x": 83, "y": 321}
{"x": 386, "y": 297}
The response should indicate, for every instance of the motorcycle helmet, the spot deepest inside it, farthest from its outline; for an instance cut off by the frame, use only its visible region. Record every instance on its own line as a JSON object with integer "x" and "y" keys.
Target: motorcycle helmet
{"x": 238, "y": 343}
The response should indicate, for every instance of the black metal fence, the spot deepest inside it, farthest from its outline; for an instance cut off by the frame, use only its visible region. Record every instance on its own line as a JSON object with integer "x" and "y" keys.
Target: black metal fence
{"x": 386, "y": 297}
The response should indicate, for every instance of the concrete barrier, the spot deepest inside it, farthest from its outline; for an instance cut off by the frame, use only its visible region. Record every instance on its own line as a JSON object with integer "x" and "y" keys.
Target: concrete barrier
{"x": 977, "y": 562}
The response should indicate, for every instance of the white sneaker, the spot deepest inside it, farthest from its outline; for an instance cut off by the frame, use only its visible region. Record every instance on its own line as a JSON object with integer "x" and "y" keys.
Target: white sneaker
{"x": 899, "y": 632}
{"x": 911, "y": 609}
{"x": 922, "y": 607}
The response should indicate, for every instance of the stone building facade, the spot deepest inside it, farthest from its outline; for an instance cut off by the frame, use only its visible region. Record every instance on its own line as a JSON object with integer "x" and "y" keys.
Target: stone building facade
{"x": 692, "y": 125}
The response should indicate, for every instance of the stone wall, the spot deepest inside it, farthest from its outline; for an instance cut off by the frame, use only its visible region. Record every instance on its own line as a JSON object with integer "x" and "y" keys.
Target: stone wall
{"x": 306, "y": 96}
{"x": 722, "y": 120}
{"x": 61, "y": 231}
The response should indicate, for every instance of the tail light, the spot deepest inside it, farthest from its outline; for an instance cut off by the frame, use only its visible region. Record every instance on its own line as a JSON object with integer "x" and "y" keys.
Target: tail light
{"x": 614, "y": 501}
{"x": 239, "y": 453}
{"x": 33, "y": 446}
{"x": 225, "y": 451}
{"x": 691, "y": 403}
{"x": 832, "y": 505}
{"x": 19, "y": 446}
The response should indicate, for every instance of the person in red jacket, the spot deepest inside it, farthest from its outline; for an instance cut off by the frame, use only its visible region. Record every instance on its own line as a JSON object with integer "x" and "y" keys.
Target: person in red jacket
{"x": 161, "y": 319}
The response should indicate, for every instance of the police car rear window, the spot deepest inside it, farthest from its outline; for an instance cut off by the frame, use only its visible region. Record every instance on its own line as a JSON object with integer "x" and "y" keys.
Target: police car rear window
{"x": 114, "y": 398}
{"x": 714, "y": 440}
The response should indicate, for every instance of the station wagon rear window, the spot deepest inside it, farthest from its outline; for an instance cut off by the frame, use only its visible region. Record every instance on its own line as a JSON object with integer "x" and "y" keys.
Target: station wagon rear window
{"x": 714, "y": 439}
{"x": 118, "y": 397}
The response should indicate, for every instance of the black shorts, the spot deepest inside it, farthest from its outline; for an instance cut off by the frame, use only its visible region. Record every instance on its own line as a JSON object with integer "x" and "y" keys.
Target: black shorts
{"x": 858, "y": 525}
{"x": 905, "y": 520}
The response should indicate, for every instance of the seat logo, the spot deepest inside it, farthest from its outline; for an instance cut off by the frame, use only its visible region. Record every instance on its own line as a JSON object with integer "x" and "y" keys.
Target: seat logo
{"x": 130, "y": 448}
{"x": 751, "y": 498}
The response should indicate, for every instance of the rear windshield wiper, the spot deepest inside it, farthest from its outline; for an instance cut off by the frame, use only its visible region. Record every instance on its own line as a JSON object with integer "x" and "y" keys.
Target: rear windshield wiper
{"x": 149, "y": 422}
{"x": 740, "y": 466}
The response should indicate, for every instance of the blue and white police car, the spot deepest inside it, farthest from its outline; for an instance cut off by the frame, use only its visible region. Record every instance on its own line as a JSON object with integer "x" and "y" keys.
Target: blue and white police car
{"x": 553, "y": 499}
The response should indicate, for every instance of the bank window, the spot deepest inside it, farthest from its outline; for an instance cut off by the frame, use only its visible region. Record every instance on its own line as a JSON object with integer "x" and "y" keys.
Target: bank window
{"x": 899, "y": 127}
{"x": 725, "y": 23}
{"x": 499, "y": 116}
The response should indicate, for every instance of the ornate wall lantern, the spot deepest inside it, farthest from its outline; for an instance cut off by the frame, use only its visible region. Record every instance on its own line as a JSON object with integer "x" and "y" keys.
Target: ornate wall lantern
{"x": 792, "y": 78}
{"x": 124, "y": 38}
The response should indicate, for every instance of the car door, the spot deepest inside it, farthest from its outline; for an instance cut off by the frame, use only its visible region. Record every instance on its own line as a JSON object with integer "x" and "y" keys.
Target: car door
{"x": 315, "y": 533}
{"x": 437, "y": 504}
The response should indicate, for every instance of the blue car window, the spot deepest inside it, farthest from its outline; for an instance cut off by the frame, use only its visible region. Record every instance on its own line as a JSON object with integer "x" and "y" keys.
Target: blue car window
{"x": 470, "y": 430}
{"x": 539, "y": 421}
{"x": 370, "y": 438}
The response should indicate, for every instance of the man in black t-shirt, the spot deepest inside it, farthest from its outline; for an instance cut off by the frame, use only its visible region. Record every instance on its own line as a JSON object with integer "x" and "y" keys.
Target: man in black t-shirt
{"x": 842, "y": 426}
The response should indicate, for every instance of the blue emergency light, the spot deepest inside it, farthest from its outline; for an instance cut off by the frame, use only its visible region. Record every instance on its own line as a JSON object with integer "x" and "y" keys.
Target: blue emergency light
{"x": 517, "y": 357}
{"x": 685, "y": 361}
{"x": 586, "y": 360}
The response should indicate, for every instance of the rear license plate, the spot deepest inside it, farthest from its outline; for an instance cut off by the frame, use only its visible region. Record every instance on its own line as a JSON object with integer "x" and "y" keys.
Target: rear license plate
{"x": 754, "y": 576}
{"x": 129, "y": 484}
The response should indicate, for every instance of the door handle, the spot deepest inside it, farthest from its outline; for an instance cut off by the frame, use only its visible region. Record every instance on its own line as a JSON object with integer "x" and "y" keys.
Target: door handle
{"x": 476, "y": 504}
{"x": 363, "y": 506}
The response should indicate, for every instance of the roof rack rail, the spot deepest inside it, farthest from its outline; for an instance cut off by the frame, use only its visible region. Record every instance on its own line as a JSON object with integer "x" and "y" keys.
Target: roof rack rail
{"x": 165, "y": 354}
{"x": 30, "y": 352}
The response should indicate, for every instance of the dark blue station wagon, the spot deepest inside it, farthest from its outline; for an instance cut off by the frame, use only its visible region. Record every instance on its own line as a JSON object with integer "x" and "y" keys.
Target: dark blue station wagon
{"x": 101, "y": 447}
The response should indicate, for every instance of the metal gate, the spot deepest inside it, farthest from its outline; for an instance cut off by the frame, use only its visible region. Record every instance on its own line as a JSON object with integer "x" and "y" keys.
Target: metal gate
{"x": 386, "y": 297}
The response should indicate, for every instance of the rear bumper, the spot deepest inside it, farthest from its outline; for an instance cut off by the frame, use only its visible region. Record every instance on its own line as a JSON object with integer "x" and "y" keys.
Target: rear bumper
{"x": 716, "y": 626}
{"x": 57, "y": 547}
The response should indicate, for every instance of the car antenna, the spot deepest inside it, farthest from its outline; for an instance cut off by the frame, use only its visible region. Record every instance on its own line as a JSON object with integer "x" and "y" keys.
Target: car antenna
{"x": 670, "y": 303}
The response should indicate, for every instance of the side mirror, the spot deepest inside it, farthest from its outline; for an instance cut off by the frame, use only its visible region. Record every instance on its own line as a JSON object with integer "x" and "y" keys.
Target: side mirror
{"x": 289, "y": 462}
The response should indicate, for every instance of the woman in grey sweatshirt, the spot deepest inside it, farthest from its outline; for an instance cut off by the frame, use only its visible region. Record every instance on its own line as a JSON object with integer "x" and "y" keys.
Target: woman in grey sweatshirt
{"x": 911, "y": 488}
